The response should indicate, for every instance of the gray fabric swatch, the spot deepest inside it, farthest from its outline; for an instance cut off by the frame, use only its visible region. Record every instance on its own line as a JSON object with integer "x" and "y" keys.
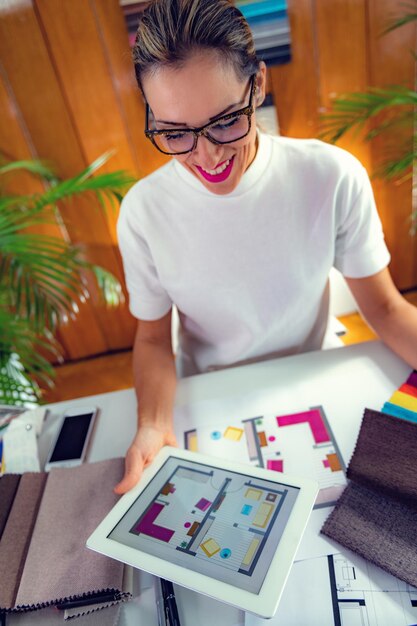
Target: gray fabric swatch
{"x": 17, "y": 533}
{"x": 58, "y": 565}
{"x": 385, "y": 456}
{"x": 376, "y": 516}
{"x": 8, "y": 489}
{"x": 377, "y": 527}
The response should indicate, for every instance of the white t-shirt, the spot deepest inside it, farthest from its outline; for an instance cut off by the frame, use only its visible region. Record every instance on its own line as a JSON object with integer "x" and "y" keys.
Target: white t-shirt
{"x": 248, "y": 271}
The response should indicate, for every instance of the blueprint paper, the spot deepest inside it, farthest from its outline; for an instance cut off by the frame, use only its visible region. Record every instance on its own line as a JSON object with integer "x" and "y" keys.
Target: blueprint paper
{"x": 342, "y": 589}
{"x": 299, "y": 443}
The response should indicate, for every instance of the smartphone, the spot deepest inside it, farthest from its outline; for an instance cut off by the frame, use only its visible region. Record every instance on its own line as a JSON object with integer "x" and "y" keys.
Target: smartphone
{"x": 70, "y": 445}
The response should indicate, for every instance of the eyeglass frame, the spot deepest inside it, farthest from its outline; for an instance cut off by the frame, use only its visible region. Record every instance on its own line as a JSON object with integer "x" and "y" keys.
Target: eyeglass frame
{"x": 202, "y": 131}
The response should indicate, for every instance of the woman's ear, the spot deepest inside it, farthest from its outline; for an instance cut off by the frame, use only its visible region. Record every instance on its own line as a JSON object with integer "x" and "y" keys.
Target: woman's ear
{"x": 260, "y": 87}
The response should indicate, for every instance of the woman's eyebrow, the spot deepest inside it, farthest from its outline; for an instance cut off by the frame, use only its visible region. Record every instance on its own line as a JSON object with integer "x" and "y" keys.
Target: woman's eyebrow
{"x": 182, "y": 124}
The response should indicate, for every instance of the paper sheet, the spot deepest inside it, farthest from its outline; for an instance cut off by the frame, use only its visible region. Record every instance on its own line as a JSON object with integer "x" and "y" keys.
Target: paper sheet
{"x": 342, "y": 589}
{"x": 20, "y": 448}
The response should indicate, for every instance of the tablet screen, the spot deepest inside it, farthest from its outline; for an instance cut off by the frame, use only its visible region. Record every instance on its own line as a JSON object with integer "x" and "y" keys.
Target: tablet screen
{"x": 224, "y": 524}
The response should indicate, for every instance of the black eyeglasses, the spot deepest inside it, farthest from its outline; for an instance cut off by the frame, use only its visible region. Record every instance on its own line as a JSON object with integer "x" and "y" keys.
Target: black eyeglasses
{"x": 223, "y": 129}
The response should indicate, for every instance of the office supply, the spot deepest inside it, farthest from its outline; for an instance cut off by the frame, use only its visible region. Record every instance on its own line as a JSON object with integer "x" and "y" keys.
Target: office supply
{"x": 43, "y": 559}
{"x": 376, "y": 515}
{"x": 160, "y": 608}
{"x": 224, "y": 529}
{"x": 170, "y": 604}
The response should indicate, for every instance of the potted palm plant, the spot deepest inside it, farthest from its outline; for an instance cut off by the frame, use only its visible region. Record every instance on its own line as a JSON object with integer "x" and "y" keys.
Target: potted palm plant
{"x": 41, "y": 277}
{"x": 377, "y": 111}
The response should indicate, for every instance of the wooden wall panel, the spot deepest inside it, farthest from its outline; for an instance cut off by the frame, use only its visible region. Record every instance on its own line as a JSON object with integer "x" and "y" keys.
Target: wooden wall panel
{"x": 112, "y": 29}
{"x": 342, "y": 59}
{"x": 294, "y": 85}
{"x": 392, "y": 63}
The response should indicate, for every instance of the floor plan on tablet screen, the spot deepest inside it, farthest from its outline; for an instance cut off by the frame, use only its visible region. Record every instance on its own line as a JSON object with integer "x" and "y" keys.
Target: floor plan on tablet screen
{"x": 217, "y": 522}
{"x": 296, "y": 443}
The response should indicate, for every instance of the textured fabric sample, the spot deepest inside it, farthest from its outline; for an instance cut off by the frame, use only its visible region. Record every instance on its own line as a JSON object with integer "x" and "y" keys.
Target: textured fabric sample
{"x": 376, "y": 515}
{"x": 17, "y": 534}
{"x": 385, "y": 456}
{"x": 377, "y": 527}
{"x": 8, "y": 488}
{"x": 74, "y": 503}
{"x": 52, "y": 617}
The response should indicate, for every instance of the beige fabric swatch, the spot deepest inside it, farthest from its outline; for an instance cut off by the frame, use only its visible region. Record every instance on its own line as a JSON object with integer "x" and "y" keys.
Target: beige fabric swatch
{"x": 58, "y": 565}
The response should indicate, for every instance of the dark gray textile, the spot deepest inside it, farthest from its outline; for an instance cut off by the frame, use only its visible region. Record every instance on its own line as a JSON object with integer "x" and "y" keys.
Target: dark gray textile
{"x": 376, "y": 516}
{"x": 385, "y": 456}
{"x": 8, "y": 488}
{"x": 17, "y": 534}
{"x": 377, "y": 527}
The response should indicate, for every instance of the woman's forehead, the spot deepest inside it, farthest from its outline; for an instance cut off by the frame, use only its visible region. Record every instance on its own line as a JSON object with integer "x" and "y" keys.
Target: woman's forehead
{"x": 194, "y": 93}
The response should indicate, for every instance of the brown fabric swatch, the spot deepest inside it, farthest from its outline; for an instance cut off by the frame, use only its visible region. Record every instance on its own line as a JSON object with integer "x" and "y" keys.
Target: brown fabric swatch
{"x": 17, "y": 533}
{"x": 58, "y": 565}
{"x": 377, "y": 527}
{"x": 385, "y": 456}
{"x": 376, "y": 515}
{"x": 8, "y": 488}
{"x": 52, "y": 617}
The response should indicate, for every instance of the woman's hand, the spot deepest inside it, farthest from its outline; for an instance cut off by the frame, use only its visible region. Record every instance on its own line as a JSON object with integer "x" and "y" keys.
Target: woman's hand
{"x": 146, "y": 444}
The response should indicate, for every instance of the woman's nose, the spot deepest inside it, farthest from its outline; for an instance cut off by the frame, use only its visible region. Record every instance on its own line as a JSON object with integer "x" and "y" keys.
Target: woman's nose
{"x": 207, "y": 154}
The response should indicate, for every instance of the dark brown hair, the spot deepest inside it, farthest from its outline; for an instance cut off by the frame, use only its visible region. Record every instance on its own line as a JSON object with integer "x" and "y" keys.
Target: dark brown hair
{"x": 171, "y": 30}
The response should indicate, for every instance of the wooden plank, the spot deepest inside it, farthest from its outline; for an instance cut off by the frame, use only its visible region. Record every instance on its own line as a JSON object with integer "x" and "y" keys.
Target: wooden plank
{"x": 113, "y": 31}
{"x": 85, "y": 78}
{"x": 342, "y": 59}
{"x": 294, "y": 84}
{"x": 392, "y": 63}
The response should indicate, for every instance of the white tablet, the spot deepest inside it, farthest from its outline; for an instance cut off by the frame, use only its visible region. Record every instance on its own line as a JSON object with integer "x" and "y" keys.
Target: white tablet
{"x": 226, "y": 530}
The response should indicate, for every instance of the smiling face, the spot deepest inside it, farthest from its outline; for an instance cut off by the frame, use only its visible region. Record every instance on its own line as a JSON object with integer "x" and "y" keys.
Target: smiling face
{"x": 190, "y": 97}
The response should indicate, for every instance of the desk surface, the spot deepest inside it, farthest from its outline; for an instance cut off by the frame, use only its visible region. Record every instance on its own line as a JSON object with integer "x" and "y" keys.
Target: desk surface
{"x": 343, "y": 380}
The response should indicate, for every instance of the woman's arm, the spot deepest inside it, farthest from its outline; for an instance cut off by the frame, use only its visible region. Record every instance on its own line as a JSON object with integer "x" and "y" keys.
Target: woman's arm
{"x": 155, "y": 383}
{"x": 388, "y": 313}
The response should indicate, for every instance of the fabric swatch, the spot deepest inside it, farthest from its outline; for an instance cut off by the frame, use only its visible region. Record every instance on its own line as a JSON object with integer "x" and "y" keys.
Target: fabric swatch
{"x": 385, "y": 456}
{"x": 376, "y": 515}
{"x": 377, "y": 527}
{"x": 17, "y": 534}
{"x": 8, "y": 488}
{"x": 52, "y": 617}
{"x": 58, "y": 565}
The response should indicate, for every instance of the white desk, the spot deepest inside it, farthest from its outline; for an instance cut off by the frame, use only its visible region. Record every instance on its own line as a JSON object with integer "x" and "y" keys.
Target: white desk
{"x": 343, "y": 380}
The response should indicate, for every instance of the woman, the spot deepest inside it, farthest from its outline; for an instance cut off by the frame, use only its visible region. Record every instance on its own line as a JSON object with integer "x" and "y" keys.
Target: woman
{"x": 239, "y": 230}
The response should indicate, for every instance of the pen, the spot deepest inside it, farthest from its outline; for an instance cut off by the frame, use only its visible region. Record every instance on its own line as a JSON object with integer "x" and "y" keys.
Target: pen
{"x": 160, "y": 603}
{"x": 85, "y": 601}
{"x": 170, "y": 605}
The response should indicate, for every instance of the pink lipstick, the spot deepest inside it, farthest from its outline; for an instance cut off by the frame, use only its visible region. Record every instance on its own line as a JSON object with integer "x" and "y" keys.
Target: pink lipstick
{"x": 217, "y": 178}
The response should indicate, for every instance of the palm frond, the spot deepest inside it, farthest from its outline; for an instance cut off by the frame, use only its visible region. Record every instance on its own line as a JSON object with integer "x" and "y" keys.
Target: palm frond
{"x": 41, "y": 277}
{"x": 109, "y": 286}
{"x": 109, "y": 184}
{"x": 352, "y": 111}
{"x": 36, "y": 167}
{"x": 410, "y": 15}
{"x": 22, "y": 367}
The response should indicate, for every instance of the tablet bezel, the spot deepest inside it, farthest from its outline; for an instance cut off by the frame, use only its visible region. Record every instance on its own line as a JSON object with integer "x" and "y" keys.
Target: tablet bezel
{"x": 263, "y": 603}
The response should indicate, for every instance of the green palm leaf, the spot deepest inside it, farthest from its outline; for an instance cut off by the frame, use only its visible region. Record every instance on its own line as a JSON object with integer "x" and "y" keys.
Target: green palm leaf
{"x": 41, "y": 277}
